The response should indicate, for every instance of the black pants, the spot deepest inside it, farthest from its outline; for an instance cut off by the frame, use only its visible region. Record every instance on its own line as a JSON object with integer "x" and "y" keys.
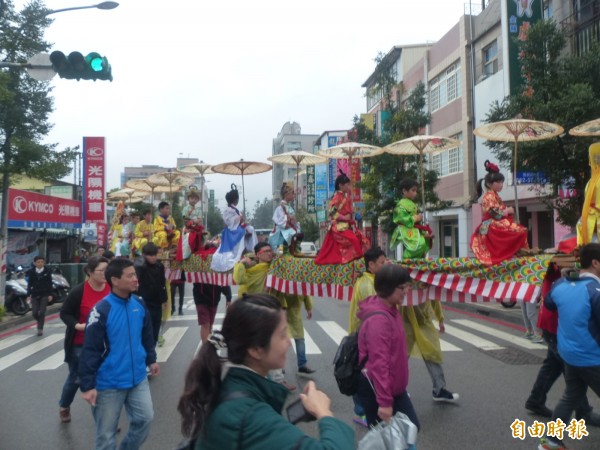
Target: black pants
{"x": 155, "y": 317}
{"x": 367, "y": 399}
{"x": 39, "y": 303}
{"x": 174, "y": 288}
{"x": 552, "y": 368}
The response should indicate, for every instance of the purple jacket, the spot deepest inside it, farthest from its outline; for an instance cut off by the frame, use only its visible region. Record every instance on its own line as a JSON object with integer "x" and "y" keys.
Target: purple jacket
{"x": 382, "y": 337}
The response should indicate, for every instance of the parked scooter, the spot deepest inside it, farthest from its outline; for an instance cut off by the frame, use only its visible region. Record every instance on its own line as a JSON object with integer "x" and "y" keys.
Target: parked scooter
{"x": 60, "y": 286}
{"x": 15, "y": 298}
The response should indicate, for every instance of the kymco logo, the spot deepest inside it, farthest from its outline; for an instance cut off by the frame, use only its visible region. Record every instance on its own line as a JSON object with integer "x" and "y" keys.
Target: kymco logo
{"x": 95, "y": 151}
{"x": 20, "y": 205}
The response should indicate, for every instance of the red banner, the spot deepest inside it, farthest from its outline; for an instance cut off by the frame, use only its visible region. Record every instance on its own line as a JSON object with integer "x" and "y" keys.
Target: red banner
{"x": 30, "y": 209}
{"x": 101, "y": 230}
{"x": 94, "y": 164}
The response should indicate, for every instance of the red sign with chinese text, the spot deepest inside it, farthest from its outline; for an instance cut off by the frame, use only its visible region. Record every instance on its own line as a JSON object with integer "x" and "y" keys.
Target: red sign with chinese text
{"x": 101, "y": 229}
{"x": 39, "y": 210}
{"x": 94, "y": 164}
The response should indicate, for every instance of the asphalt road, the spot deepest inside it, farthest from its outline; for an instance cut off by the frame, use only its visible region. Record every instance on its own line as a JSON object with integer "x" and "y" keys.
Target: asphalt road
{"x": 486, "y": 361}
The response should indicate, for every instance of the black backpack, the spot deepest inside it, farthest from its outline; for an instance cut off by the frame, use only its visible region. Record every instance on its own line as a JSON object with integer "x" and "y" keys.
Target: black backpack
{"x": 346, "y": 367}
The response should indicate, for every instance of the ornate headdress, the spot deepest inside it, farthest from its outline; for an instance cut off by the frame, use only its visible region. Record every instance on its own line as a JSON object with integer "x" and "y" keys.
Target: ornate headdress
{"x": 286, "y": 188}
{"x": 491, "y": 167}
{"x": 193, "y": 191}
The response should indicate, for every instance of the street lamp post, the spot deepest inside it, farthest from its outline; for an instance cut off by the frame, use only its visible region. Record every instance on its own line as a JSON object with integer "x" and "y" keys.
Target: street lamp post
{"x": 6, "y": 175}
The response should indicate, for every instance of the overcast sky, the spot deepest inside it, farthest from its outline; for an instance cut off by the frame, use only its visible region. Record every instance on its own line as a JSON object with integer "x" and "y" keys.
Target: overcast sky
{"x": 217, "y": 79}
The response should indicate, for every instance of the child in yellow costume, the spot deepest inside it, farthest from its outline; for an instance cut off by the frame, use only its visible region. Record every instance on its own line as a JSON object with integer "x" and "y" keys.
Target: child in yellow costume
{"x": 144, "y": 232}
{"x": 590, "y": 214}
{"x": 166, "y": 233}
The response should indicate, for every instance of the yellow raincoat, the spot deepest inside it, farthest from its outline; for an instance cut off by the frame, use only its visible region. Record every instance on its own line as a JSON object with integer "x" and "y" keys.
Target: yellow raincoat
{"x": 420, "y": 330}
{"x": 363, "y": 288}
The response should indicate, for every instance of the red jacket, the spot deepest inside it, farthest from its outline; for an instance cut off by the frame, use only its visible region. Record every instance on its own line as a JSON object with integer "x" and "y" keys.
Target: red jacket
{"x": 382, "y": 337}
{"x": 548, "y": 320}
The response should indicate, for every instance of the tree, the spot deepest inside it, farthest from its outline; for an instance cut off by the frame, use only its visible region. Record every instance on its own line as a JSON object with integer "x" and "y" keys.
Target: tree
{"x": 310, "y": 227}
{"x": 25, "y": 107}
{"x": 262, "y": 217}
{"x": 214, "y": 220}
{"x": 559, "y": 89}
{"x": 384, "y": 172}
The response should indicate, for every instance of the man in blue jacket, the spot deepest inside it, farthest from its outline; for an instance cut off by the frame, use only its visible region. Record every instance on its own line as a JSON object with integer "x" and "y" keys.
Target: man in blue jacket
{"x": 577, "y": 300}
{"x": 118, "y": 346}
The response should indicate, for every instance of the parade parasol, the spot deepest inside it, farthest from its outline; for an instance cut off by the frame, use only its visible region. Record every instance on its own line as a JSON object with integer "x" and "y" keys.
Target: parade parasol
{"x": 242, "y": 168}
{"x": 349, "y": 151}
{"x": 517, "y": 130}
{"x": 128, "y": 194}
{"x": 173, "y": 179}
{"x": 591, "y": 128}
{"x": 297, "y": 158}
{"x": 420, "y": 145}
{"x": 199, "y": 168}
{"x": 146, "y": 185}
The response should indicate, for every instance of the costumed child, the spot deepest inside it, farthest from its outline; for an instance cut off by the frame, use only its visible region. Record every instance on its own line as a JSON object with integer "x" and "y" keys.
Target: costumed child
{"x": 194, "y": 229}
{"x": 498, "y": 237}
{"x": 414, "y": 236}
{"x": 117, "y": 231}
{"x": 287, "y": 231}
{"x": 166, "y": 234}
{"x": 236, "y": 236}
{"x": 588, "y": 228}
{"x": 144, "y": 232}
{"x": 343, "y": 242}
{"x": 422, "y": 337}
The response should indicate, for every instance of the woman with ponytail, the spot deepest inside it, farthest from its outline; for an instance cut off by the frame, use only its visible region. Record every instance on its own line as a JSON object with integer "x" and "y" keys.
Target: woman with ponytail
{"x": 231, "y": 404}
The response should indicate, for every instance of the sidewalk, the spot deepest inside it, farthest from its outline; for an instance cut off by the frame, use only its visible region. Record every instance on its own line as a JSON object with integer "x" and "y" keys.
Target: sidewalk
{"x": 10, "y": 320}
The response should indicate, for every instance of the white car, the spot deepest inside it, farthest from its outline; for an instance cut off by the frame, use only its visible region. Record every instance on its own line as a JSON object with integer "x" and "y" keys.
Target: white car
{"x": 308, "y": 248}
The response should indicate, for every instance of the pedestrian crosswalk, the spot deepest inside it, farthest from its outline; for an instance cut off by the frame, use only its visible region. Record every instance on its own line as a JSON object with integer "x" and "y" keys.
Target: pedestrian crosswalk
{"x": 40, "y": 354}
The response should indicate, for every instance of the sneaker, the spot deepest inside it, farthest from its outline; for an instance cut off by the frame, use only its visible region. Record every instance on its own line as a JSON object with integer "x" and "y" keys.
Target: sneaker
{"x": 40, "y": 332}
{"x": 528, "y": 335}
{"x": 540, "y": 410}
{"x": 181, "y": 311}
{"x": 161, "y": 341}
{"x": 288, "y": 386}
{"x": 65, "y": 414}
{"x": 445, "y": 396}
{"x": 545, "y": 444}
{"x": 361, "y": 420}
{"x": 306, "y": 369}
{"x": 537, "y": 339}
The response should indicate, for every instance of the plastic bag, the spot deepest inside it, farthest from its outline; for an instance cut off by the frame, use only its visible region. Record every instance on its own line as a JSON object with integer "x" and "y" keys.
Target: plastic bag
{"x": 399, "y": 434}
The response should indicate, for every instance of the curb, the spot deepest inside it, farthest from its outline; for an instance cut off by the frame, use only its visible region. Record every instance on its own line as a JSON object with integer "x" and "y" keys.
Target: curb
{"x": 12, "y": 321}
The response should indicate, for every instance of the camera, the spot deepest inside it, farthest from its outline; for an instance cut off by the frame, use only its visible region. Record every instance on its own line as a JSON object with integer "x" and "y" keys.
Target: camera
{"x": 297, "y": 413}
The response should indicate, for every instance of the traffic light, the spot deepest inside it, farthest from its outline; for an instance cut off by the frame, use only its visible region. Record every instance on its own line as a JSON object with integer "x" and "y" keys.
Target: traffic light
{"x": 77, "y": 67}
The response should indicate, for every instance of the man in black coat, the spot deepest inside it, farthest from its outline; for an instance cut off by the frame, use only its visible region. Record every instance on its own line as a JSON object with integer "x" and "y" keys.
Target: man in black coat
{"x": 152, "y": 286}
{"x": 39, "y": 291}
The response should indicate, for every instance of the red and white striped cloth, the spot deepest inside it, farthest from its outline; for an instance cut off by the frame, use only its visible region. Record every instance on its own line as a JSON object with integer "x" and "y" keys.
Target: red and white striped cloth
{"x": 216, "y": 278}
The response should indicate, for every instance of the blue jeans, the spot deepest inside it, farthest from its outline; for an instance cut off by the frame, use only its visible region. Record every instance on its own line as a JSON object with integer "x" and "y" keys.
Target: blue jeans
{"x": 72, "y": 382}
{"x": 300, "y": 352}
{"x": 139, "y": 409}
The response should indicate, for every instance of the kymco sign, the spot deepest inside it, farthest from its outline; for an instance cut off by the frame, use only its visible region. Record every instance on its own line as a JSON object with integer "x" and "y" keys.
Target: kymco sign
{"x": 33, "y": 210}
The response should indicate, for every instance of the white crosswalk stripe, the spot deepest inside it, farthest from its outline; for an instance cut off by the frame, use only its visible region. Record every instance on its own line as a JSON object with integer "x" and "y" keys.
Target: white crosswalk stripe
{"x": 24, "y": 352}
{"x": 460, "y": 335}
{"x": 516, "y": 340}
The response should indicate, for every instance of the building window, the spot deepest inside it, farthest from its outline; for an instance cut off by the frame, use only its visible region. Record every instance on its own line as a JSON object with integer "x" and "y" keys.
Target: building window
{"x": 490, "y": 59}
{"x": 374, "y": 95}
{"x": 449, "y": 161}
{"x": 445, "y": 87}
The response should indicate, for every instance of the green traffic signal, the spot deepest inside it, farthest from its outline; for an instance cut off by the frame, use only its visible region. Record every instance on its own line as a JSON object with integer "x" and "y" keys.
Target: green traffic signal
{"x": 77, "y": 67}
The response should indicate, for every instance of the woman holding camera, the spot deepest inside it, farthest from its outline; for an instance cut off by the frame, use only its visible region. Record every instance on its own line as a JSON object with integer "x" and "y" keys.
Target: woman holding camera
{"x": 233, "y": 405}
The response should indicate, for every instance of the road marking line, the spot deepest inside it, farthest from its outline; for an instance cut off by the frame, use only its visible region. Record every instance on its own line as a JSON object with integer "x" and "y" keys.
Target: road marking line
{"x": 472, "y": 339}
{"x": 14, "y": 339}
{"x": 521, "y": 342}
{"x": 448, "y": 347}
{"x": 50, "y": 363}
{"x": 15, "y": 357}
{"x": 172, "y": 337}
{"x": 333, "y": 330}
{"x": 219, "y": 316}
